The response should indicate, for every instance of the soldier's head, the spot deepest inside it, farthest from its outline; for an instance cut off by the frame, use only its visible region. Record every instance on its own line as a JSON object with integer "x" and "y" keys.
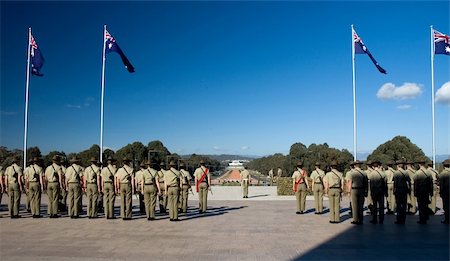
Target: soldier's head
{"x": 369, "y": 164}
{"x": 126, "y": 161}
{"x": 182, "y": 166}
{"x": 317, "y": 165}
{"x": 94, "y": 160}
{"x": 16, "y": 159}
{"x": 162, "y": 165}
{"x": 333, "y": 164}
{"x": 446, "y": 163}
{"x": 110, "y": 160}
{"x": 172, "y": 164}
{"x": 299, "y": 165}
{"x": 56, "y": 159}
{"x": 355, "y": 164}
{"x": 421, "y": 162}
{"x": 35, "y": 160}
{"x": 430, "y": 164}
{"x": 376, "y": 163}
{"x": 75, "y": 160}
{"x": 400, "y": 163}
{"x": 390, "y": 163}
{"x": 202, "y": 163}
{"x": 142, "y": 165}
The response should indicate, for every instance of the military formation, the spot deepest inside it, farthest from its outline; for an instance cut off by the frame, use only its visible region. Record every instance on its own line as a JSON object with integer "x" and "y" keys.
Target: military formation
{"x": 400, "y": 188}
{"x": 65, "y": 186}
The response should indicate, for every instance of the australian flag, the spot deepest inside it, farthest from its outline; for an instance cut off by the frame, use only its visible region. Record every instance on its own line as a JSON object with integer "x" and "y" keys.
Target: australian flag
{"x": 360, "y": 48}
{"x": 441, "y": 43}
{"x": 37, "y": 60}
{"x": 112, "y": 46}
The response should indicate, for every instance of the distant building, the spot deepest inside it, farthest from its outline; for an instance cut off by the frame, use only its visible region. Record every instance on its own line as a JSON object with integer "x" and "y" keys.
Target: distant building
{"x": 236, "y": 164}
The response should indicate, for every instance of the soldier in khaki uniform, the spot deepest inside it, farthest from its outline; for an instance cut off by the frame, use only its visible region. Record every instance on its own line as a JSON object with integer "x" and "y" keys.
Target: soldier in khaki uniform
{"x": 91, "y": 181}
{"x": 245, "y": 180}
{"x": 14, "y": 183}
{"x": 435, "y": 176}
{"x": 378, "y": 190}
{"x": 444, "y": 184}
{"x": 334, "y": 184}
{"x": 53, "y": 178}
{"x": 402, "y": 186}
{"x": 202, "y": 182}
{"x": 390, "y": 199}
{"x": 300, "y": 186}
{"x": 423, "y": 190}
{"x": 172, "y": 186}
{"x": 357, "y": 184}
{"x": 185, "y": 187}
{"x": 74, "y": 175}
{"x": 125, "y": 184}
{"x": 108, "y": 188}
{"x": 138, "y": 186}
{"x": 317, "y": 187}
{"x": 369, "y": 176}
{"x": 26, "y": 186}
{"x": 162, "y": 197}
{"x": 412, "y": 200}
{"x": 62, "y": 197}
{"x": 34, "y": 179}
{"x": 150, "y": 188}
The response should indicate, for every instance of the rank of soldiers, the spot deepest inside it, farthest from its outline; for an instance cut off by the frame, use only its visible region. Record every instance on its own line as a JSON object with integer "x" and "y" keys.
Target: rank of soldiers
{"x": 170, "y": 185}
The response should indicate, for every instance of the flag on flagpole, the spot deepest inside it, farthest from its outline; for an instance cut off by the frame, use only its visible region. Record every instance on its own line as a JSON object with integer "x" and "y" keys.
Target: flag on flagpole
{"x": 441, "y": 43}
{"x": 361, "y": 48}
{"x": 37, "y": 60}
{"x": 112, "y": 46}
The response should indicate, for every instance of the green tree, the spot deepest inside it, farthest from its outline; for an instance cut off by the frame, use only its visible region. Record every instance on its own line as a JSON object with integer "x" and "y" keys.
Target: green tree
{"x": 158, "y": 152}
{"x": 135, "y": 151}
{"x": 400, "y": 147}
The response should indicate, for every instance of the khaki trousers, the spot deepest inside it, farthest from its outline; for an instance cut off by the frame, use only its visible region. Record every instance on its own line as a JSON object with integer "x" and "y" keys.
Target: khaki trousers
{"x": 109, "y": 195}
{"x": 184, "y": 198}
{"x": 172, "y": 193}
{"x": 300, "y": 196}
{"x": 162, "y": 198}
{"x": 412, "y": 201}
{"x": 74, "y": 197}
{"x": 245, "y": 187}
{"x": 391, "y": 197}
{"x": 334, "y": 197}
{"x": 357, "y": 204}
{"x": 92, "y": 197}
{"x": 432, "y": 205}
{"x": 125, "y": 198}
{"x": 203, "y": 196}
{"x": 53, "y": 195}
{"x": 28, "y": 199}
{"x": 14, "y": 198}
{"x": 150, "y": 200}
{"x": 35, "y": 198}
{"x": 318, "y": 197}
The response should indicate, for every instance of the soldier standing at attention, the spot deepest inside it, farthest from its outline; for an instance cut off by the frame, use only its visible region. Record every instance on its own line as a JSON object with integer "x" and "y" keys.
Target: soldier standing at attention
{"x": 279, "y": 172}
{"x": 108, "y": 188}
{"x": 185, "y": 186}
{"x": 378, "y": 190}
{"x": 62, "y": 196}
{"x": 390, "y": 188}
{"x": 412, "y": 200}
{"x": 423, "y": 190}
{"x": 26, "y": 185}
{"x": 317, "y": 188}
{"x": 444, "y": 183}
{"x": 150, "y": 188}
{"x": 91, "y": 181}
{"x": 271, "y": 176}
{"x": 357, "y": 184}
{"x": 53, "y": 178}
{"x": 74, "y": 175}
{"x": 162, "y": 195}
{"x": 138, "y": 186}
{"x": 125, "y": 184}
{"x": 172, "y": 186}
{"x": 334, "y": 184}
{"x": 435, "y": 177}
{"x": 402, "y": 186}
{"x": 202, "y": 181}
{"x": 245, "y": 179}
{"x": 36, "y": 186}
{"x": 14, "y": 184}
{"x": 300, "y": 186}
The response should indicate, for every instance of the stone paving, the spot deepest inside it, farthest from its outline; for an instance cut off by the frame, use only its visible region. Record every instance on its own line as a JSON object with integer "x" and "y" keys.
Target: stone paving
{"x": 232, "y": 229}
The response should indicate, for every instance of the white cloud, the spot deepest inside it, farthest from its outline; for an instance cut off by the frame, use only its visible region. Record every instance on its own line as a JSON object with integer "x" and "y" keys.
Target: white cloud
{"x": 216, "y": 148}
{"x": 407, "y": 91}
{"x": 443, "y": 94}
{"x": 73, "y": 106}
{"x": 404, "y": 107}
{"x": 245, "y": 147}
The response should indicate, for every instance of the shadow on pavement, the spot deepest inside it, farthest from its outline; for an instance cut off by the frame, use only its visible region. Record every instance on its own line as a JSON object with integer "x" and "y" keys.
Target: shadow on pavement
{"x": 210, "y": 212}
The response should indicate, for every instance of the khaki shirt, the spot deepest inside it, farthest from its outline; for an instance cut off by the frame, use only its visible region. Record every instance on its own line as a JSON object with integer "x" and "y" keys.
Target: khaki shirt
{"x": 296, "y": 176}
{"x": 390, "y": 175}
{"x": 434, "y": 174}
{"x": 107, "y": 174}
{"x": 171, "y": 177}
{"x": 245, "y": 174}
{"x": 34, "y": 173}
{"x": 333, "y": 178}
{"x": 411, "y": 173}
{"x": 402, "y": 181}
{"x": 317, "y": 176}
{"x": 160, "y": 174}
{"x": 91, "y": 173}
{"x": 185, "y": 177}
{"x": 13, "y": 173}
{"x": 199, "y": 173}
{"x": 138, "y": 176}
{"x": 423, "y": 182}
{"x": 378, "y": 180}
{"x": 358, "y": 178}
{"x": 444, "y": 182}
{"x": 124, "y": 174}
{"x": 53, "y": 172}
{"x": 74, "y": 173}
{"x": 150, "y": 176}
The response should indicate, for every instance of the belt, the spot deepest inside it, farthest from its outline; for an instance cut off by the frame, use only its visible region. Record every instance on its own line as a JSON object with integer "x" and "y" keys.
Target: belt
{"x": 148, "y": 183}
{"x": 127, "y": 183}
{"x": 33, "y": 181}
{"x": 108, "y": 182}
{"x": 318, "y": 182}
{"x": 357, "y": 187}
{"x": 74, "y": 182}
{"x": 13, "y": 182}
{"x": 336, "y": 187}
{"x": 173, "y": 186}
{"x": 53, "y": 182}
{"x": 92, "y": 182}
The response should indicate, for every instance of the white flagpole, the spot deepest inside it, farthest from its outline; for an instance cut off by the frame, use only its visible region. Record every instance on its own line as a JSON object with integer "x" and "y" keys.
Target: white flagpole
{"x": 102, "y": 95}
{"x": 27, "y": 84}
{"x": 354, "y": 99}
{"x": 432, "y": 99}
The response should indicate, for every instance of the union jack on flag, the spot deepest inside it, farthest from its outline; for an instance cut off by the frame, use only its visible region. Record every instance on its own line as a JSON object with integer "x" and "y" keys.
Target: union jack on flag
{"x": 37, "y": 60}
{"x": 441, "y": 43}
{"x": 112, "y": 46}
{"x": 360, "y": 48}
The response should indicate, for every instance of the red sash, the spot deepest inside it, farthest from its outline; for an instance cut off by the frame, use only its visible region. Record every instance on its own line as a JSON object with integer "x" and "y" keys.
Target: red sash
{"x": 202, "y": 178}
{"x": 299, "y": 181}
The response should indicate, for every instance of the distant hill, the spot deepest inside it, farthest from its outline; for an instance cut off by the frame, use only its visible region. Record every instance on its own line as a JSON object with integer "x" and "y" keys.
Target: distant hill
{"x": 224, "y": 157}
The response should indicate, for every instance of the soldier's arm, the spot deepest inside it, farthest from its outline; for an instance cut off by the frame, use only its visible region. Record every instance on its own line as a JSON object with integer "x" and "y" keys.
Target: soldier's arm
{"x": 116, "y": 185}
{"x": 6, "y": 182}
{"x": 165, "y": 187}
{"x": 133, "y": 186}
{"x": 157, "y": 185}
{"x": 293, "y": 183}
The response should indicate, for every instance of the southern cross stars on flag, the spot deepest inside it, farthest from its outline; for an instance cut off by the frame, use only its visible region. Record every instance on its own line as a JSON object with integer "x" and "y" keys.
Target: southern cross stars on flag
{"x": 360, "y": 48}
{"x": 112, "y": 46}
{"x": 441, "y": 43}
{"x": 37, "y": 60}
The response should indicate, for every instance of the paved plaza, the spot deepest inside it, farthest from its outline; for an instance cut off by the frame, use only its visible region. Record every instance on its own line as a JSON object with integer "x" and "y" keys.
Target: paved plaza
{"x": 263, "y": 227}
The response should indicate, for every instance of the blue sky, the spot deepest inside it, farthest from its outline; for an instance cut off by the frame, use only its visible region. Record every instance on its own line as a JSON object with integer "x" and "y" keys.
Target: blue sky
{"x": 223, "y": 77}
